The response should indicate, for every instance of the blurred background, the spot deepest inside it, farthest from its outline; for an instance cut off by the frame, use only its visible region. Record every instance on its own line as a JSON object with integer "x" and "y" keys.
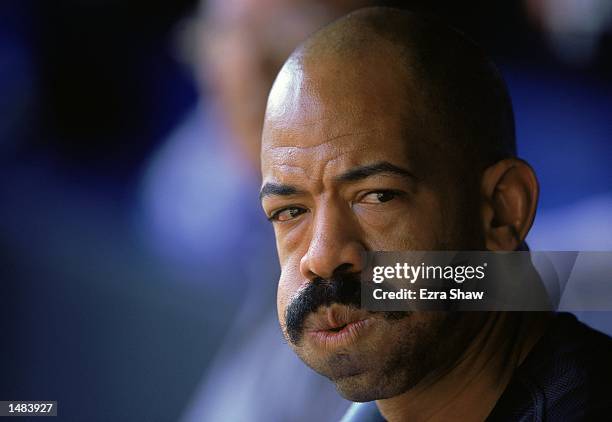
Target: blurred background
{"x": 138, "y": 273}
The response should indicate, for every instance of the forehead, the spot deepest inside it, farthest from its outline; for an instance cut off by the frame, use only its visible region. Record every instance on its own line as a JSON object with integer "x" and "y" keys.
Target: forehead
{"x": 328, "y": 114}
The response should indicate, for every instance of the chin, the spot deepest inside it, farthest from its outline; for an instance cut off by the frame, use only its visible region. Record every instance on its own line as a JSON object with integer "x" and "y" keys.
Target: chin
{"x": 361, "y": 377}
{"x": 375, "y": 385}
{"x": 361, "y": 388}
{"x": 391, "y": 360}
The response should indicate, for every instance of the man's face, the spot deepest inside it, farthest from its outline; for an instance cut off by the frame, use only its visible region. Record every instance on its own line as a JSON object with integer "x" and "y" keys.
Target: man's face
{"x": 349, "y": 165}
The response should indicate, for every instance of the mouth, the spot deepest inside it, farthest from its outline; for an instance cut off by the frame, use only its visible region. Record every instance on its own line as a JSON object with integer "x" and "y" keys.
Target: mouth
{"x": 337, "y": 326}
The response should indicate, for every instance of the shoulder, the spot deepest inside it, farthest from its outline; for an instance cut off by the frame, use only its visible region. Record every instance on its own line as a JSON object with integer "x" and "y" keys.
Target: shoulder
{"x": 565, "y": 377}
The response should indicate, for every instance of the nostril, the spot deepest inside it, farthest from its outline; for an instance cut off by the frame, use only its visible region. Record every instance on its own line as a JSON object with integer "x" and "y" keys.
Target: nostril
{"x": 343, "y": 268}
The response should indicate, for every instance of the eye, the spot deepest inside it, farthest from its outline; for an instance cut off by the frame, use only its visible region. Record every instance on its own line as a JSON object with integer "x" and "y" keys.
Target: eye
{"x": 286, "y": 214}
{"x": 381, "y": 196}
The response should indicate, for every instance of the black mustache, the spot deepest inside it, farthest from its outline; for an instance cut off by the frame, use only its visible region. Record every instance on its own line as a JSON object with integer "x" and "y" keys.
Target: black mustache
{"x": 344, "y": 289}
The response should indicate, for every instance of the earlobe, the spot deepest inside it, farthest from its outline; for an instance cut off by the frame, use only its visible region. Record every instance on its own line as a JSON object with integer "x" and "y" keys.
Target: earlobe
{"x": 510, "y": 195}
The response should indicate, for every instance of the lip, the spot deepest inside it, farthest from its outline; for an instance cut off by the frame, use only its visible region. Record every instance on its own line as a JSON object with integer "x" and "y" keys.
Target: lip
{"x": 338, "y": 327}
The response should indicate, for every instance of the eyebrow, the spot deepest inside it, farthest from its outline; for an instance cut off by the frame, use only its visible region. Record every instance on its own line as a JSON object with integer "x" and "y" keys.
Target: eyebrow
{"x": 277, "y": 189}
{"x": 353, "y": 175}
{"x": 382, "y": 167}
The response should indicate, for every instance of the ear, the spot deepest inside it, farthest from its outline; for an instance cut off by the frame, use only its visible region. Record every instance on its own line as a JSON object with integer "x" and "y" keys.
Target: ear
{"x": 510, "y": 195}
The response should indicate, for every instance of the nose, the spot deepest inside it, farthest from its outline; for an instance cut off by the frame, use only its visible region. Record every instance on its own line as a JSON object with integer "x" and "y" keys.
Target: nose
{"x": 334, "y": 246}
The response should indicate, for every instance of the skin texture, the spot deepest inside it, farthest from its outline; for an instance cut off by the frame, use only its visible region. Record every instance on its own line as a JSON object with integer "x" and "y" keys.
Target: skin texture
{"x": 351, "y": 98}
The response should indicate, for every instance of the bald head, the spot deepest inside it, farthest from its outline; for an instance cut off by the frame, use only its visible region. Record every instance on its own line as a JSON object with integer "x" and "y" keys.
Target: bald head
{"x": 443, "y": 81}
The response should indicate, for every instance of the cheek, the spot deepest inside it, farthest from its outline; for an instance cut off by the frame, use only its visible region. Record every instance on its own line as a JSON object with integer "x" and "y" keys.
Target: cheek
{"x": 416, "y": 226}
{"x": 288, "y": 284}
{"x": 282, "y": 299}
{"x": 280, "y": 308}
{"x": 292, "y": 242}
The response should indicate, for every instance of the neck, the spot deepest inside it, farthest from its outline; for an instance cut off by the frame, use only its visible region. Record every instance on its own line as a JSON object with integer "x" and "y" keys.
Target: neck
{"x": 470, "y": 389}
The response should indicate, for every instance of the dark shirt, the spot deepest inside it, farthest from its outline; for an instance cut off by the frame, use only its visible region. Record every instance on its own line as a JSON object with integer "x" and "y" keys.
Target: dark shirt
{"x": 566, "y": 377}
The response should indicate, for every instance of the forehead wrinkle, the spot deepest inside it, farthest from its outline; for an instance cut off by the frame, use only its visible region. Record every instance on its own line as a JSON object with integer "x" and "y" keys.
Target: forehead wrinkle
{"x": 295, "y": 171}
{"x": 292, "y": 169}
{"x": 310, "y": 122}
{"x": 288, "y": 155}
{"x": 317, "y": 173}
{"x": 325, "y": 142}
{"x": 320, "y": 176}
